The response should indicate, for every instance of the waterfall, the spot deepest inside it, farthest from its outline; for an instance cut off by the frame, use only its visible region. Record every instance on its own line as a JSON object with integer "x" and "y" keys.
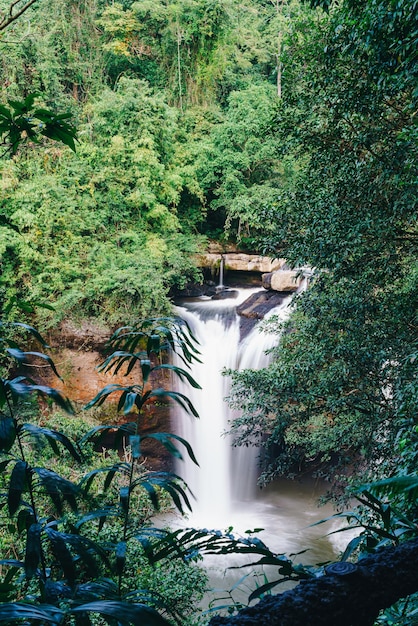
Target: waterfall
{"x": 224, "y": 484}
{"x": 221, "y": 274}
{"x": 226, "y": 476}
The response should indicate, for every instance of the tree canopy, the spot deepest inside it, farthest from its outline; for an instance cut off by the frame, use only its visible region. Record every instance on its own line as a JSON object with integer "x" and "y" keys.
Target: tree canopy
{"x": 339, "y": 388}
{"x": 284, "y": 127}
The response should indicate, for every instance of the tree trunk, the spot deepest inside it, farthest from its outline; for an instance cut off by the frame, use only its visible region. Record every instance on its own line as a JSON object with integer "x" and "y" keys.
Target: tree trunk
{"x": 342, "y": 598}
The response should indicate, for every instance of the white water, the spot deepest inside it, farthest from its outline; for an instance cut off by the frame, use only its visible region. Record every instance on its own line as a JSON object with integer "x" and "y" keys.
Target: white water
{"x": 225, "y": 483}
{"x": 215, "y": 483}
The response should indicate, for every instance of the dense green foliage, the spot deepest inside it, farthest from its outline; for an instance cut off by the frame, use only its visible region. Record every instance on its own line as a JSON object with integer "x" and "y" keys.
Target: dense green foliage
{"x": 286, "y": 128}
{"x": 74, "y": 544}
{"x": 156, "y": 90}
{"x": 342, "y": 386}
{"x": 97, "y": 231}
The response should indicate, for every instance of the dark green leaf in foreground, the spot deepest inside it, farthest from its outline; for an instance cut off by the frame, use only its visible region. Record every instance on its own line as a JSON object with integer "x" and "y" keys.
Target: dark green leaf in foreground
{"x": 7, "y": 433}
{"x": 10, "y": 611}
{"x": 18, "y": 483}
{"x": 125, "y": 613}
{"x": 33, "y": 550}
{"x": 52, "y": 436}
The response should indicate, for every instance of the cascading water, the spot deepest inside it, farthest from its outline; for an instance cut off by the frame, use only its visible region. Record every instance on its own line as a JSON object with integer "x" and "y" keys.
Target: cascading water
{"x": 221, "y": 274}
{"x": 215, "y": 325}
{"x": 226, "y": 476}
{"x": 224, "y": 484}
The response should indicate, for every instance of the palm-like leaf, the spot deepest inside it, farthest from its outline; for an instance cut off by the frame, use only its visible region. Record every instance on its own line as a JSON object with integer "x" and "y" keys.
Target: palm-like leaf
{"x": 7, "y": 432}
{"x": 11, "y": 611}
{"x": 19, "y": 480}
{"x": 152, "y": 482}
{"x": 19, "y": 387}
{"x": 22, "y": 357}
{"x": 165, "y": 439}
{"x": 52, "y": 436}
{"x": 110, "y": 472}
{"x": 59, "y": 489}
{"x": 124, "y": 612}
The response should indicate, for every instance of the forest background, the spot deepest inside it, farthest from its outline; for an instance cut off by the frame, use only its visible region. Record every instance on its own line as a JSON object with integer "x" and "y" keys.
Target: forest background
{"x": 286, "y": 128}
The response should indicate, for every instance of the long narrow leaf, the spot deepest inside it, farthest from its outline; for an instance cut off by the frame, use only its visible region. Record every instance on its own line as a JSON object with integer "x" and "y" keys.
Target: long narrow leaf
{"x": 17, "y": 484}
{"x": 11, "y": 611}
{"x": 31, "y": 331}
{"x": 19, "y": 388}
{"x": 62, "y": 554}
{"x": 51, "y": 436}
{"x": 165, "y": 439}
{"x": 124, "y": 612}
{"x": 21, "y": 357}
{"x": 178, "y": 397}
{"x": 100, "y": 514}
{"x": 33, "y": 549}
{"x": 7, "y": 433}
{"x": 59, "y": 489}
{"x": 110, "y": 472}
{"x": 180, "y": 372}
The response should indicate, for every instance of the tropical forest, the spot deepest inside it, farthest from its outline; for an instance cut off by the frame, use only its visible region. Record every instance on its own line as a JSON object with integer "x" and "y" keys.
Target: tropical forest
{"x": 208, "y": 312}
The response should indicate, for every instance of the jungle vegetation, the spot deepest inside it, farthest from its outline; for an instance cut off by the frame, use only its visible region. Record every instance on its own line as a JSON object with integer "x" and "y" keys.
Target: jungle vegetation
{"x": 284, "y": 127}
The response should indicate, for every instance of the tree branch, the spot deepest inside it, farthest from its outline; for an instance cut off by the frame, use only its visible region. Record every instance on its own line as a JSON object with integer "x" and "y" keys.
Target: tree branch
{"x": 10, "y": 17}
{"x": 351, "y": 599}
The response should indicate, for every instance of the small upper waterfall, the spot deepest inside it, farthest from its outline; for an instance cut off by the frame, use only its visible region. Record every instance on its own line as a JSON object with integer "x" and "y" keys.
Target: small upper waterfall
{"x": 226, "y": 476}
{"x": 221, "y": 274}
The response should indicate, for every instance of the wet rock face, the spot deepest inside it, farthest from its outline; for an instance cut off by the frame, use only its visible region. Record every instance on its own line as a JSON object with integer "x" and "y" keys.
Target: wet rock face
{"x": 256, "y": 307}
{"x": 84, "y": 336}
{"x": 77, "y": 351}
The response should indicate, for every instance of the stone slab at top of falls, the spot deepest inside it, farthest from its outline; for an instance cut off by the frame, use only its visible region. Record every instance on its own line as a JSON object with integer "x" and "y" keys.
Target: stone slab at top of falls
{"x": 241, "y": 262}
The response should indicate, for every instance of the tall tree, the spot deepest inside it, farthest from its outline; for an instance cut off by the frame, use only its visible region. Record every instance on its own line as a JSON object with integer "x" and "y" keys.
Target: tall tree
{"x": 339, "y": 389}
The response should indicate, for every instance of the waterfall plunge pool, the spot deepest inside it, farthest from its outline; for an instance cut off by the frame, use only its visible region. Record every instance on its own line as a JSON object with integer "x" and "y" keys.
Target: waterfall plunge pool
{"x": 225, "y": 483}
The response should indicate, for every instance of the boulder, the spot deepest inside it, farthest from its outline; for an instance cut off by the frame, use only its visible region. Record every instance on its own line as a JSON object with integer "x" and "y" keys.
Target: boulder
{"x": 240, "y": 262}
{"x": 282, "y": 280}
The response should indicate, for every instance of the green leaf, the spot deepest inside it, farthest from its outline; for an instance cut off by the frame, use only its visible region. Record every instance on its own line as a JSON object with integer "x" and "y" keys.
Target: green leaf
{"x": 52, "y": 436}
{"x": 21, "y": 357}
{"x": 59, "y": 489}
{"x": 178, "y": 397}
{"x": 33, "y": 549}
{"x": 11, "y": 611}
{"x": 135, "y": 443}
{"x": 110, "y": 472}
{"x": 18, "y": 483}
{"x": 87, "y": 551}
{"x": 180, "y": 372}
{"x": 124, "y": 498}
{"x": 31, "y": 330}
{"x": 145, "y": 369}
{"x": 260, "y": 591}
{"x": 62, "y": 554}
{"x": 103, "y": 394}
{"x": 153, "y": 344}
{"x": 120, "y": 557}
{"x": 120, "y": 431}
{"x": 19, "y": 388}
{"x": 25, "y": 518}
{"x": 103, "y": 588}
{"x": 7, "y": 433}
{"x": 167, "y": 481}
{"x": 125, "y": 613}
{"x": 100, "y": 514}
{"x": 165, "y": 439}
